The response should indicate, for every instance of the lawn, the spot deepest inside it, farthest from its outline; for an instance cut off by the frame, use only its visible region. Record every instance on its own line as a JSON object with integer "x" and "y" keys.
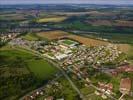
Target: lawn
{"x": 42, "y": 69}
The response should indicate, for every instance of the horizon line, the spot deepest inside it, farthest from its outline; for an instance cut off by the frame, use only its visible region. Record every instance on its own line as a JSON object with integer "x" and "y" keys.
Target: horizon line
{"x": 62, "y": 4}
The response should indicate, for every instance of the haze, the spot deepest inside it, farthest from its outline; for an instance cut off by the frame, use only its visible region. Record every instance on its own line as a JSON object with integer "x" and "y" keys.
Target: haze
{"x": 119, "y": 2}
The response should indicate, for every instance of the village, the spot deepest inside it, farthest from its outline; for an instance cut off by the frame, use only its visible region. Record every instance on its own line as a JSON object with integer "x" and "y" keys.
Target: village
{"x": 74, "y": 57}
{"x": 6, "y": 37}
{"x": 66, "y": 50}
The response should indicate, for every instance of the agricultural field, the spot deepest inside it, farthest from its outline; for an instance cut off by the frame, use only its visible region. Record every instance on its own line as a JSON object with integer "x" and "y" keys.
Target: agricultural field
{"x": 21, "y": 72}
{"x": 110, "y": 23}
{"x": 95, "y": 42}
{"x": 124, "y": 47}
{"x": 42, "y": 69}
{"x": 13, "y": 16}
{"x": 52, "y": 19}
{"x": 100, "y": 22}
{"x": 87, "y": 41}
{"x": 51, "y": 35}
{"x": 124, "y": 23}
{"x": 91, "y": 13}
{"x": 30, "y": 37}
{"x": 115, "y": 37}
{"x": 13, "y": 66}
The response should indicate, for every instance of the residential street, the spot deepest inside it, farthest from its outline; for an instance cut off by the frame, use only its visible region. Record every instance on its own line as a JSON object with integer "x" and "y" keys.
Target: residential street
{"x": 57, "y": 66}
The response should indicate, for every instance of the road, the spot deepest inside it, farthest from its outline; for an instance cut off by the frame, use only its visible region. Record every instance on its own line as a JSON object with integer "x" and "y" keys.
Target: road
{"x": 62, "y": 71}
{"x": 110, "y": 96}
{"x": 38, "y": 89}
{"x": 104, "y": 93}
{"x": 57, "y": 66}
{"x": 122, "y": 96}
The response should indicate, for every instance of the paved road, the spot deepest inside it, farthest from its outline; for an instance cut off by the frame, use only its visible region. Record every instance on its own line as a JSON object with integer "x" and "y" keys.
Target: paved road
{"x": 57, "y": 66}
{"x": 38, "y": 89}
{"x": 110, "y": 96}
{"x": 122, "y": 96}
{"x": 63, "y": 72}
{"x": 104, "y": 93}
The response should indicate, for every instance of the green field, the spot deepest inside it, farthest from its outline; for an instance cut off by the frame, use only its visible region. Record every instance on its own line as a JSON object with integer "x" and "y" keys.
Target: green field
{"x": 30, "y": 37}
{"x": 42, "y": 69}
{"x": 21, "y": 72}
{"x": 68, "y": 42}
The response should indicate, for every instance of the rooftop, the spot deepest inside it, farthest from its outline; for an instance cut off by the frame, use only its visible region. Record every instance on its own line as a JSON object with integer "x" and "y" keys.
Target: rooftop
{"x": 125, "y": 85}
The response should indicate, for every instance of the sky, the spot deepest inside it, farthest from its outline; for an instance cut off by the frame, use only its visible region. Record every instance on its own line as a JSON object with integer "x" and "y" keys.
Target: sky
{"x": 66, "y": 1}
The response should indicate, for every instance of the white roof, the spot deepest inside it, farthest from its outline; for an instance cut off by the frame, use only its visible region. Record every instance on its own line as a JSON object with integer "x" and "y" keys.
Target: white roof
{"x": 61, "y": 56}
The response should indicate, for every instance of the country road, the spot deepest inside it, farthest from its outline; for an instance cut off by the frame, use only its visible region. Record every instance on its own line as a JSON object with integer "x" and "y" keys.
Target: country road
{"x": 24, "y": 49}
{"x": 22, "y": 98}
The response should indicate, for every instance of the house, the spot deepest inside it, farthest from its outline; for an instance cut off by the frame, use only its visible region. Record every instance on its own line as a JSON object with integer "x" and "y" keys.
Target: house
{"x": 27, "y": 98}
{"x": 107, "y": 88}
{"x": 125, "y": 85}
{"x": 49, "y": 98}
{"x": 126, "y": 68}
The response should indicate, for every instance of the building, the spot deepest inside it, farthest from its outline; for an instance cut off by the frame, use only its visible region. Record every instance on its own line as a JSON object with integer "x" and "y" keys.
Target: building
{"x": 107, "y": 88}
{"x": 126, "y": 68}
{"x": 60, "y": 56}
{"x": 125, "y": 85}
{"x": 49, "y": 98}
